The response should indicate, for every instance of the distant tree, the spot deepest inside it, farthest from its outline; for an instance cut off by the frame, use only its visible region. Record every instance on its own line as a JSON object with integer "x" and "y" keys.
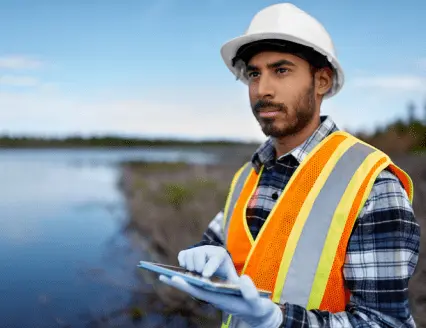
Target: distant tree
{"x": 399, "y": 126}
{"x": 411, "y": 112}
{"x": 424, "y": 121}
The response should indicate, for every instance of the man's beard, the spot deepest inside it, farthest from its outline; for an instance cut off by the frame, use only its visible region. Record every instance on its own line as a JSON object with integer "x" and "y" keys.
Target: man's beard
{"x": 304, "y": 113}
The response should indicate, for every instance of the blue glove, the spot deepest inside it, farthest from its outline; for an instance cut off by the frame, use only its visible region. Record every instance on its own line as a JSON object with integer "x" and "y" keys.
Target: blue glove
{"x": 256, "y": 311}
{"x": 209, "y": 260}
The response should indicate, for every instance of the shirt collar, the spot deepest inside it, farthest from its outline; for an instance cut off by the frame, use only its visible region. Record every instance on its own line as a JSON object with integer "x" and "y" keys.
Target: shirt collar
{"x": 265, "y": 154}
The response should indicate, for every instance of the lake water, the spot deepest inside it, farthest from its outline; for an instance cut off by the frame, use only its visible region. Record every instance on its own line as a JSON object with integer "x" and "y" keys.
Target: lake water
{"x": 64, "y": 260}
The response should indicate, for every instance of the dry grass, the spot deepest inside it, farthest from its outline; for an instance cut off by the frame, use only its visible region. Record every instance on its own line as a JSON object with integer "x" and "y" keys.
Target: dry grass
{"x": 173, "y": 203}
{"x": 171, "y": 206}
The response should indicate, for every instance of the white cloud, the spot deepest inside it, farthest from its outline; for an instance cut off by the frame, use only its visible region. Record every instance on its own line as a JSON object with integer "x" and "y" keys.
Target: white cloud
{"x": 48, "y": 112}
{"x": 18, "y": 81}
{"x": 196, "y": 111}
{"x": 403, "y": 83}
{"x": 20, "y": 62}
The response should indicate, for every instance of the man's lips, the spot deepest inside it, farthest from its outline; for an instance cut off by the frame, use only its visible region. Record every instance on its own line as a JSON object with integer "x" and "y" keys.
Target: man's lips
{"x": 269, "y": 113}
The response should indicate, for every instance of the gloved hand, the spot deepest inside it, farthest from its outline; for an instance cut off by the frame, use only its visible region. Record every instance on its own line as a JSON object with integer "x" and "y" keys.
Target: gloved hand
{"x": 257, "y": 311}
{"x": 208, "y": 260}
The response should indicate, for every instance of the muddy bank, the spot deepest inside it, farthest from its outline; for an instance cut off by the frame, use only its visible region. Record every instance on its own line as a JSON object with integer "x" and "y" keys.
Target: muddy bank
{"x": 171, "y": 205}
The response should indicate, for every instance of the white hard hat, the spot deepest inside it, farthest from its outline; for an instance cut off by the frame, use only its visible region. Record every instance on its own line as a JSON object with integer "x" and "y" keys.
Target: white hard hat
{"x": 286, "y": 22}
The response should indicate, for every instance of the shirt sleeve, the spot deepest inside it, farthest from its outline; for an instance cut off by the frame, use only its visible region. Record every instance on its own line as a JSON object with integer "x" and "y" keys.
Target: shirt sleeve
{"x": 214, "y": 234}
{"x": 381, "y": 257}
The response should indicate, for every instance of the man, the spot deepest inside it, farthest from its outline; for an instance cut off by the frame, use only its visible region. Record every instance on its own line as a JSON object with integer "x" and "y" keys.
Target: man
{"x": 318, "y": 218}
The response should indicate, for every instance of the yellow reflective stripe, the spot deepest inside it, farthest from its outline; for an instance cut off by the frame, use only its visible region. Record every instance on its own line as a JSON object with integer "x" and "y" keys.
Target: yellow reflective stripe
{"x": 411, "y": 193}
{"x": 411, "y": 190}
{"x": 290, "y": 182}
{"x": 246, "y": 228}
{"x": 231, "y": 191}
{"x": 343, "y": 133}
{"x": 338, "y": 225}
{"x": 226, "y": 325}
{"x": 303, "y": 215}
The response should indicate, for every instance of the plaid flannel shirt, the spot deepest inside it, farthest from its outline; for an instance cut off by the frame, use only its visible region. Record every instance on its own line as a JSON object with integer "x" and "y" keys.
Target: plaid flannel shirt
{"x": 381, "y": 255}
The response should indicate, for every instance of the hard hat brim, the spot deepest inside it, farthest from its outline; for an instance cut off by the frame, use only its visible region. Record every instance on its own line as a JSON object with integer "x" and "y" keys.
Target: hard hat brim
{"x": 230, "y": 48}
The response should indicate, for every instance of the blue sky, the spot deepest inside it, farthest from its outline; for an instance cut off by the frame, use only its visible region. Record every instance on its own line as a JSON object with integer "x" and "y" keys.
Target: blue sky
{"x": 153, "y": 68}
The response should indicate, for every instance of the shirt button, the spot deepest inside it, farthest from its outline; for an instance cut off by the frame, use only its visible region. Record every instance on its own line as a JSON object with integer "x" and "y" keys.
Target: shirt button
{"x": 275, "y": 196}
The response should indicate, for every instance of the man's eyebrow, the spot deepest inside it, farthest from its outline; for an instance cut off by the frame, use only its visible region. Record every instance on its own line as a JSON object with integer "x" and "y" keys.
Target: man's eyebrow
{"x": 252, "y": 68}
{"x": 282, "y": 62}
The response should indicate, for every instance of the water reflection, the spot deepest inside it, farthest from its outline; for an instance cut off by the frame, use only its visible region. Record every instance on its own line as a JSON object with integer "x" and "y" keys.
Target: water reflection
{"x": 65, "y": 262}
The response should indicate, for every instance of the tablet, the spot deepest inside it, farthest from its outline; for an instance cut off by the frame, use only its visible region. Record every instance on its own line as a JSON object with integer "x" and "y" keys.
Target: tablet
{"x": 214, "y": 283}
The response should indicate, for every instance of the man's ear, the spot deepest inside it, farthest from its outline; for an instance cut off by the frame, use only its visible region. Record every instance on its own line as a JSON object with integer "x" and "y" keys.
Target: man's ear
{"x": 324, "y": 80}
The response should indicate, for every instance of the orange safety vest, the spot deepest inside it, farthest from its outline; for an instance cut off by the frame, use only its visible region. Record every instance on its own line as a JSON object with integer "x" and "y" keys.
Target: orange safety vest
{"x": 300, "y": 251}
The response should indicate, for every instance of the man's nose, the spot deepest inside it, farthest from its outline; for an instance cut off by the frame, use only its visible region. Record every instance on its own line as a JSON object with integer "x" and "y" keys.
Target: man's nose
{"x": 265, "y": 88}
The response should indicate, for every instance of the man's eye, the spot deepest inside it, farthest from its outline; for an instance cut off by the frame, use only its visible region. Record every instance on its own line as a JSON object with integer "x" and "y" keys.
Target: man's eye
{"x": 252, "y": 74}
{"x": 282, "y": 70}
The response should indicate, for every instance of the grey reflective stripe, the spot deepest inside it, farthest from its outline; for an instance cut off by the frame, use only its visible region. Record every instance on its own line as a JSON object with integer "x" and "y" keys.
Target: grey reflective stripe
{"x": 234, "y": 197}
{"x": 303, "y": 266}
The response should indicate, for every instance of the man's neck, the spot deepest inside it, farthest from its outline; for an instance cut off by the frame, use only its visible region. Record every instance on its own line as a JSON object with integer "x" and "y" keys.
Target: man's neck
{"x": 288, "y": 143}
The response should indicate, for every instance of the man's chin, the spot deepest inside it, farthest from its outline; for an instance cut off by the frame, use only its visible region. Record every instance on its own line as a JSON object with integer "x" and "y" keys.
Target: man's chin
{"x": 277, "y": 133}
{"x": 270, "y": 130}
{"x": 273, "y": 133}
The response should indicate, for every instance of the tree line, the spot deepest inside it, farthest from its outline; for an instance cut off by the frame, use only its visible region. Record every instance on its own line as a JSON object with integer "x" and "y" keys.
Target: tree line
{"x": 406, "y": 134}
{"x": 403, "y": 135}
{"x": 105, "y": 141}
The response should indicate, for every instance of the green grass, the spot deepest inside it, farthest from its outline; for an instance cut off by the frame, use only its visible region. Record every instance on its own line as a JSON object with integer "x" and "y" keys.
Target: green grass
{"x": 176, "y": 194}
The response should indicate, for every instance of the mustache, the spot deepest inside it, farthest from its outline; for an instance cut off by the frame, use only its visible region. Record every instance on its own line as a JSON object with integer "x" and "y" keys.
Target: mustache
{"x": 260, "y": 104}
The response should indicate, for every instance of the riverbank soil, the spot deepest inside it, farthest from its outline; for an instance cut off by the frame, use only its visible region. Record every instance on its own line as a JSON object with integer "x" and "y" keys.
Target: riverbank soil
{"x": 171, "y": 205}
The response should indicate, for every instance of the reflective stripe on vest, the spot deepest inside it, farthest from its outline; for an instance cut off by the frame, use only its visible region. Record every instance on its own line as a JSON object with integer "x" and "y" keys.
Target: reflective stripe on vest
{"x": 300, "y": 250}
{"x": 236, "y": 186}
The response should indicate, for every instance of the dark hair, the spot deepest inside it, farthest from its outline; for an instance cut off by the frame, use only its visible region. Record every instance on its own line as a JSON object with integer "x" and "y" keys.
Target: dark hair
{"x": 313, "y": 57}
